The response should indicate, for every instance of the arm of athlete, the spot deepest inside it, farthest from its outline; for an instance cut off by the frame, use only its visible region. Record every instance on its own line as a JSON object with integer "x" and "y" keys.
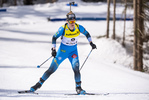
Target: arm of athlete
{"x": 54, "y": 38}
{"x": 88, "y": 36}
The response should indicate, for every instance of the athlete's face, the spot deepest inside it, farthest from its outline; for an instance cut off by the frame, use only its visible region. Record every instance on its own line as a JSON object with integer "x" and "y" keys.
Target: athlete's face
{"x": 71, "y": 24}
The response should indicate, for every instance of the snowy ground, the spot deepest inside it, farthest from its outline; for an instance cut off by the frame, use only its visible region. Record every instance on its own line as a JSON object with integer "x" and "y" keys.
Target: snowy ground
{"x": 25, "y": 42}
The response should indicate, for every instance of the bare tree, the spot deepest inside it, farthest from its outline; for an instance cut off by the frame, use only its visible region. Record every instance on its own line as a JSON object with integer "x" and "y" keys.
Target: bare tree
{"x": 108, "y": 17}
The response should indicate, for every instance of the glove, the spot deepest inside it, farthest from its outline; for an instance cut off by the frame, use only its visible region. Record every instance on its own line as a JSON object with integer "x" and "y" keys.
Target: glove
{"x": 53, "y": 52}
{"x": 93, "y": 45}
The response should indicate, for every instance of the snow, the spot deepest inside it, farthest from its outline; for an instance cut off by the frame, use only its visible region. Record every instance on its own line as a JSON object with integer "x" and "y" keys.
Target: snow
{"x": 25, "y": 42}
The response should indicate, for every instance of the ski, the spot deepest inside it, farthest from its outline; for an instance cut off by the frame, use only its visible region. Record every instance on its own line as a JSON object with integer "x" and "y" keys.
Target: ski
{"x": 26, "y": 91}
{"x": 89, "y": 94}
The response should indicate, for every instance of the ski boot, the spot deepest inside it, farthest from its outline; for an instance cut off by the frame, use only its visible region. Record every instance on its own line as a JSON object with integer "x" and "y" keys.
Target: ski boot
{"x": 37, "y": 85}
{"x": 79, "y": 90}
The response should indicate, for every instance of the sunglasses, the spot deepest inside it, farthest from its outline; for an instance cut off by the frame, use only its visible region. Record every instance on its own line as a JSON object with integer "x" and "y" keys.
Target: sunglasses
{"x": 73, "y": 21}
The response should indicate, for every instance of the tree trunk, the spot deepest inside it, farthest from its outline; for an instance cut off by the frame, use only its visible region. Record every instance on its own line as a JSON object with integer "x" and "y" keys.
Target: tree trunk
{"x": 28, "y": 2}
{"x": 15, "y": 2}
{"x": 108, "y": 17}
{"x": 123, "y": 43}
{"x": 135, "y": 35}
{"x": 114, "y": 2}
{"x": 47, "y": 1}
{"x": 1, "y": 3}
{"x": 51, "y": 1}
{"x": 140, "y": 35}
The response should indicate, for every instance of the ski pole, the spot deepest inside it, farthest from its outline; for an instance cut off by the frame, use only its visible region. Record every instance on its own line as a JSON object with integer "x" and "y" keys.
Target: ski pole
{"x": 44, "y": 62}
{"x": 86, "y": 59}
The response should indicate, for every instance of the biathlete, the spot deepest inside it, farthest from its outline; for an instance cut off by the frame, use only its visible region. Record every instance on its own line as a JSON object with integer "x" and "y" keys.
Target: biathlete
{"x": 68, "y": 49}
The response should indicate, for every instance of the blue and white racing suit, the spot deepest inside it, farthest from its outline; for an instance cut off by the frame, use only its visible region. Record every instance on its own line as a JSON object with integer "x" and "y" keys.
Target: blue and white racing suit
{"x": 67, "y": 49}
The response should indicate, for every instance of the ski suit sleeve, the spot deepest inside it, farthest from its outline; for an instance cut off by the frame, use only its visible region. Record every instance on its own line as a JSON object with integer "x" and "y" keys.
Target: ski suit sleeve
{"x": 57, "y": 35}
{"x": 83, "y": 31}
